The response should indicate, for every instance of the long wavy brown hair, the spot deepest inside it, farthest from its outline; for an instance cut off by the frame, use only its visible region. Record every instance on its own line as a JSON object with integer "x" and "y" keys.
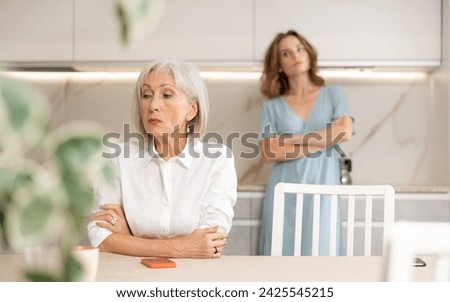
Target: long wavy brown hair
{"x": 273, "y": 82}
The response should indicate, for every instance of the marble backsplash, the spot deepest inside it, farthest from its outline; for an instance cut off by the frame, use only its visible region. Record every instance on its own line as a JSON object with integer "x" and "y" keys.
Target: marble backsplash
{"x": 401, "y": 124}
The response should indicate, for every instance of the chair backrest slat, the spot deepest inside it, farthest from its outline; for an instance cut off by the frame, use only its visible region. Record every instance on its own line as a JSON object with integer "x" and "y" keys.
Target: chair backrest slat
{"x": 316, "y": 225}
{"x": 298, "y": 224}
{"x": 333, "y": 224}
{"x": 350, "y": 224}
{"x": 352, "y": 194}
{"x": 277, "y": 227}
{"x": 368, "y": 227}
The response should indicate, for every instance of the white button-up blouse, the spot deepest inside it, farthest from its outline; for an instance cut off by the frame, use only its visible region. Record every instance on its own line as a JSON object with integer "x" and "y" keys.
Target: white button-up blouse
{"x": 163, "y": 199}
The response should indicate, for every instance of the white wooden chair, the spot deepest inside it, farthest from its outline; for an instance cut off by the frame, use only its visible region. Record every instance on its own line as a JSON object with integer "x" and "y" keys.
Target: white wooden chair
{"x": 417, "y": 239}
{"x": 353, "y": 194}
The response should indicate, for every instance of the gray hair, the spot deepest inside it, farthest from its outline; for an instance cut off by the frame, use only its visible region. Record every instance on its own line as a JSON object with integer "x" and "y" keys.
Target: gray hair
{"x": 187, "y": 78}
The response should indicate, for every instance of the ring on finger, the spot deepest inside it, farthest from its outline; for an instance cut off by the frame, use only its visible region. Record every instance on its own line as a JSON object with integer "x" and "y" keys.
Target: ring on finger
{"x": 216, "y": 251}
{"x": 114, "y": 220}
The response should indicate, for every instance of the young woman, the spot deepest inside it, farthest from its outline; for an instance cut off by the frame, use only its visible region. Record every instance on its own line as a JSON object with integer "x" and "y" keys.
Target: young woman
{"x": 302, "y": 123}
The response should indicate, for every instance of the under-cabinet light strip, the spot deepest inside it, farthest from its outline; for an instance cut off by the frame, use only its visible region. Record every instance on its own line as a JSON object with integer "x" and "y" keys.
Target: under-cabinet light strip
{"x": 213, "y": 75}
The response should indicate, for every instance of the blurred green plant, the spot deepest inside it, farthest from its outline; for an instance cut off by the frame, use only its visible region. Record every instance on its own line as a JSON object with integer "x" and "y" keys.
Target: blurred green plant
{"x": 46, "y": 177}
{"x": 136, "y": 18}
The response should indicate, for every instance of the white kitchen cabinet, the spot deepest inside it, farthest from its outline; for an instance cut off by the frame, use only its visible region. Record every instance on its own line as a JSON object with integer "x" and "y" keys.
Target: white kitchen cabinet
{"x": 36, "y": 30}
{"x": 243, "y": 238}
{"x": 196, "y": 30}
{"x": 356, "y": 33}
{"x": 223, "y": 33}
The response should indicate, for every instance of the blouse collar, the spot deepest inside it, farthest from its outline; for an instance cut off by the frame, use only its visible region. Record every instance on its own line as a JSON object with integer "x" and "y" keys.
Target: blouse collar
{"x": 190, "y": 150}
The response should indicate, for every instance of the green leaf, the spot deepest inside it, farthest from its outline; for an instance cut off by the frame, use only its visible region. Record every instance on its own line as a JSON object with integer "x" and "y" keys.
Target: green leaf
{"x": 35, "y": 215}
{"x": 34, "y": 218}
{"x": 3, "y": 238}
{"x": 108, "y": 173}
{"x": 80, "y": 195}
{"x": 77, "y": 155}
{"x": 41, "y": 276}
{"x": 24, "y": 117}
{"x": 143, "y": 7}
{"x": 10, "y": 181}
{"x": 73, "y": 270}
{"x": 124, "y": 23}
{"x": 74, "y": 153}
{"x": 17, "y": 104}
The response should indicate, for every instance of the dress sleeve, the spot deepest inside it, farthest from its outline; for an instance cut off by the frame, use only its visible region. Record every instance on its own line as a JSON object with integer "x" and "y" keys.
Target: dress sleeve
{"x": 221, "y": 195}
{"x": 340, "y": 104}
{"x": 267, "y": 123}
{"x": 104, "y": 193}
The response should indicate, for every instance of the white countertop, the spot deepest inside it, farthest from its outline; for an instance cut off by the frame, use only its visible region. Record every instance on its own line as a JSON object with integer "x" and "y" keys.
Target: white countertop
{"x": 398, "y": 189}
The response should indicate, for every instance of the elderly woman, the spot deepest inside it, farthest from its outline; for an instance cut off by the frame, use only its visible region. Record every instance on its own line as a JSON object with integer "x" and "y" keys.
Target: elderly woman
{"x": 174, "y": 195}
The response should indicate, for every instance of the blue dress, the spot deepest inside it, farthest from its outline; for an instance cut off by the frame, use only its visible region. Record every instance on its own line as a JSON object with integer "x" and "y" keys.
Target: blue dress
{"x": 277, "y": 117}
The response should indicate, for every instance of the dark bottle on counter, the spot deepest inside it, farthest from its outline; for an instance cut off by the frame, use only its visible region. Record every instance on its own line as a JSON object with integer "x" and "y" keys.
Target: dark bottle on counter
{"x": 346, "y": 168}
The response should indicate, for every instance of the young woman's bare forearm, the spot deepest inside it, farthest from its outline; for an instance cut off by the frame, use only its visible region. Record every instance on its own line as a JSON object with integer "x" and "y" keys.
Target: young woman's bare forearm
{"x": 340, "y": 130}
{"x": 272, "y": 149}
